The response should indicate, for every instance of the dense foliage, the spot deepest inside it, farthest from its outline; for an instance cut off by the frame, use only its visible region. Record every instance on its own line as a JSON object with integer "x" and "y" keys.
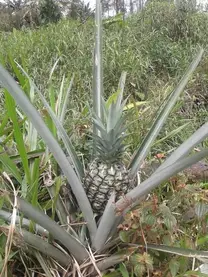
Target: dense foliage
{"x": 154, "y": 47}
{"x": 49, "y": 12}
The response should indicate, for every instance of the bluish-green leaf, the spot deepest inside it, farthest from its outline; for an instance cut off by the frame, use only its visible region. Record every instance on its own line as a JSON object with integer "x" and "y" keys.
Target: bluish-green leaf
{"x": 144, "y": 148}
{"x": 76, "y": 185}
{"x": 98, "y": 66}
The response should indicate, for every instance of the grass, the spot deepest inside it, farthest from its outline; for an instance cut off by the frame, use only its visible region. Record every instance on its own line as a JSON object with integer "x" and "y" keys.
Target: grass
{"x": 154, "y": 57}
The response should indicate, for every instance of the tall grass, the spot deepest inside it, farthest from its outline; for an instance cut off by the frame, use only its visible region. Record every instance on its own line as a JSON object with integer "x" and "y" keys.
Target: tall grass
{"x": 154, "y": 47}
{"x": 143, "y": 45}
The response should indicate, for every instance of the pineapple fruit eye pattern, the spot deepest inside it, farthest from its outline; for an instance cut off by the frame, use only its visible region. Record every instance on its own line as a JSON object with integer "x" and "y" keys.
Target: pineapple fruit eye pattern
{"x": 107, "y": 172}
{"x": 102, "y": 179}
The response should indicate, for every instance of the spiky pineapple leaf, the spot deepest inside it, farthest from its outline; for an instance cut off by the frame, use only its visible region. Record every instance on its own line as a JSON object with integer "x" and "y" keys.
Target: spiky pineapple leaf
{"x": 115, "y": 114}
{"x": 141, "y": 153}
{"x": 112, "y": 124}
{"x": 185, "y": 148}
{"x": 38, "y": 243}
{"x": 133, "y": 198}
{"x": 185, "y": 252}
{"x": 65, "y": 138}
{"x": 157, "y": 178}
{"x": 98, "y": 66}
{"x": 71, "y": 243}
{"x": 77, "y": 188}
{"x": 121, "y": 86}
{"x": 104, "y": 227}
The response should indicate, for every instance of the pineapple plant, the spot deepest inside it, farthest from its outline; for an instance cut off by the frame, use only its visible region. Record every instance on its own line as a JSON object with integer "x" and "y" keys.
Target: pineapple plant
{"x": 108, "y": 182}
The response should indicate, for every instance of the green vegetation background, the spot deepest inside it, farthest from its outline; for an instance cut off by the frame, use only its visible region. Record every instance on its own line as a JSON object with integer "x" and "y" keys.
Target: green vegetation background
{"x": 154, "y": 47}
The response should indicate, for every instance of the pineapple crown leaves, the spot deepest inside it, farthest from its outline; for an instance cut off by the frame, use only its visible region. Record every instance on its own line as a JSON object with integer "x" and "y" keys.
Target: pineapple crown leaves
{"x": 112, "y": 127}
{"x": 106, "y": 132}
{"x": 113, "y": 111}
{"x": 108, "y": 151}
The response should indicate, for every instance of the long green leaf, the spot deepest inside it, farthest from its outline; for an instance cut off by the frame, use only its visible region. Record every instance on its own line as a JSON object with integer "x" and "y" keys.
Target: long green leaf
{"x": 104, "y": 227}
{"x": 66, "y": 140}
{"x": 23, "y": 222}
{"x": 98, "y": 66}
{"x": 58, "y": 107}
{"x": 186, "y": 146}
{"x": 22, "y": 80}
{"x": 72, "y": 244}
{"x": 131, "y": 198}
{"x": 66, "y": 101}
{"x": 53, "y": 145}
{"x": 11, "y": 110}
{"x": 134, "y": 197}
{"x": 41, "y": 245}
{"x": 121, "y": 86}
{"x": 116, "y": 259}
{"x": 171, "y": 134}
{"x": 112, "y": 261}
{"x": 143, "y": 150}
{"x": 53, "y": 69}
{"x": 190, "y": 253}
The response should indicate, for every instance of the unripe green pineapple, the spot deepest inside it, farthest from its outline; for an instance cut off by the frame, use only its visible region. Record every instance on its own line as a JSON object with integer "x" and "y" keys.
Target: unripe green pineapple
{"x": 107, "y": 172}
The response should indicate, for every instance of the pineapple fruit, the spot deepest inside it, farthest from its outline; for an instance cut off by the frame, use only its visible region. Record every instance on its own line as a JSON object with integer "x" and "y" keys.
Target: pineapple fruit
{"x": 107, "y": 172}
